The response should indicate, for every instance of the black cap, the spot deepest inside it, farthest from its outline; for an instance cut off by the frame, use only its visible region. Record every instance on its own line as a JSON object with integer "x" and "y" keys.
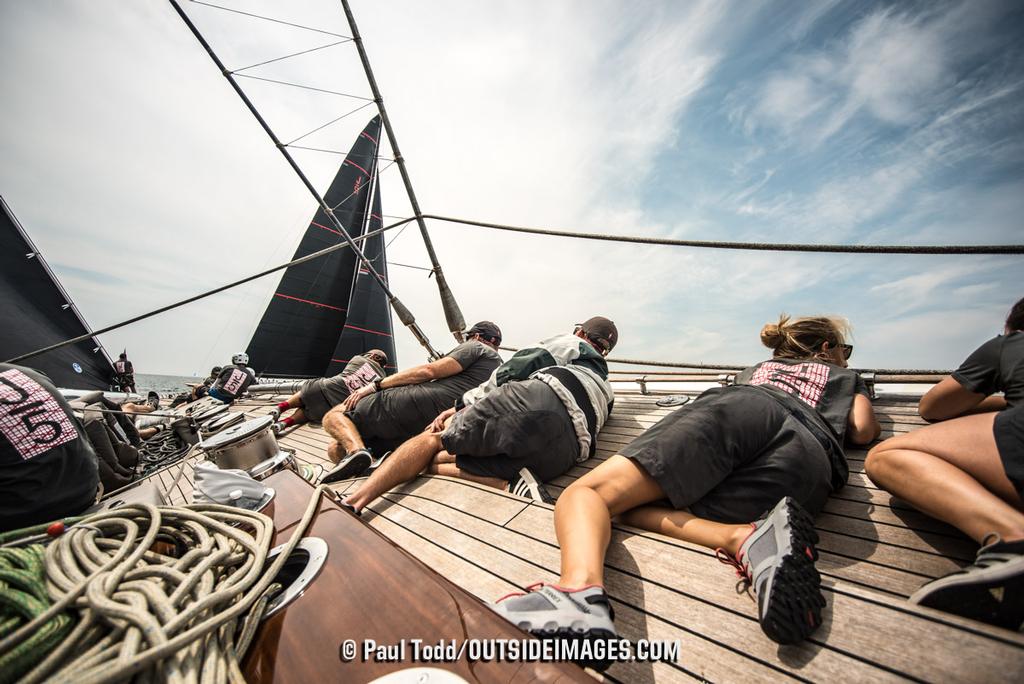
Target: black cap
{"x": 489, "y": 331}
{"x": 377, "y": 353}
{"x": 602, "y": 331}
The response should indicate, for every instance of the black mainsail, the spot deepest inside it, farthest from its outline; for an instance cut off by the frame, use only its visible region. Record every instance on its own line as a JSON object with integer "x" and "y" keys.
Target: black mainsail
{"x": 298, "y": 334}
{"x": 368, "y": 325}
{"x": 35, "y": 311}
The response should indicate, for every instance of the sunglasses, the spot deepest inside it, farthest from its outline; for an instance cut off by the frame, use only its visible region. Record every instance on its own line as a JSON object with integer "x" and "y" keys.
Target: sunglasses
{"x": 847, "y": 350}
{"x": 604, "y": 346}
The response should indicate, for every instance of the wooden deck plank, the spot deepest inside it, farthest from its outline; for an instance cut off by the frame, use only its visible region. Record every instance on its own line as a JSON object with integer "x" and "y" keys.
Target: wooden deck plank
{"x": 464, "y": 537}
{"x": 875, "y": 550}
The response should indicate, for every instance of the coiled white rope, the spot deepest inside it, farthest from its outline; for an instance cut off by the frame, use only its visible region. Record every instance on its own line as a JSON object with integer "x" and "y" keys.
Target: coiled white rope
{"x": 181, "y": 618}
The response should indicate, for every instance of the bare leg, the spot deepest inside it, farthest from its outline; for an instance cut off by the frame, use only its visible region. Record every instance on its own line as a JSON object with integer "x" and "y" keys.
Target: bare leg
{"x": 298, "y": 417}
{"x": 449, "y": 468}
{"x": 952, "y": 471}
{"x": 404, "y": 464}
{"x": 294, "y": 400}
{"x": 583, "y": 516}
{"x": 688, "y": 527}
{"x": 344, "y": 431}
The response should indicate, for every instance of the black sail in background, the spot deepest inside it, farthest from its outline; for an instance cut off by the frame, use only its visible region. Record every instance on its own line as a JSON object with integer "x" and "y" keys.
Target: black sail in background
{"x": 368, "y": 325}
{"x": 36, "y": 312}
{"x": 299, "y": 330}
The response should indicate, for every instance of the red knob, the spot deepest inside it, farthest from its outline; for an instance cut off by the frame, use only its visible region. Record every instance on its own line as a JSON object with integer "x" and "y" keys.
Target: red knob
{"x": 56, "y": 529}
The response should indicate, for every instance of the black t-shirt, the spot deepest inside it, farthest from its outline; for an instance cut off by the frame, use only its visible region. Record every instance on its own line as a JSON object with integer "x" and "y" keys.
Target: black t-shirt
{"x": 824, "y": 391}
{"x": 47, "y": 466}
{"x": 996, "y": 366}
{"x": 234, "y": 380}
{"x": 428, "y": 399}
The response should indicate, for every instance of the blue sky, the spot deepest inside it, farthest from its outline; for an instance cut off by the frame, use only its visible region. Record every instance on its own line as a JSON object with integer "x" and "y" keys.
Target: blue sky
{"x": 143, "y": 179}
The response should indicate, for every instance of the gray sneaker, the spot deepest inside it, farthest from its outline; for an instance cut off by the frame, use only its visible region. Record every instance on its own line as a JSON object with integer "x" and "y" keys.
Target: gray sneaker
{"x": 528, "y": 486}
{"x": 551, "y": 612}
{"x": 777, "y": 558}
{"x": 353, "y": 465}
{"x": 990, "y": 590}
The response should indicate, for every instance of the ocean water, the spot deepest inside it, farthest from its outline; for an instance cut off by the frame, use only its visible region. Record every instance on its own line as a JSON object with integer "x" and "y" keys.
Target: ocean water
{"x": 162, "y": 384}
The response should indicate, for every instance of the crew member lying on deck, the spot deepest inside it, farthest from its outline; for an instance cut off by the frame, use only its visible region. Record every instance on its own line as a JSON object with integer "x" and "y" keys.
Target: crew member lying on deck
{"x": 387, "y": 412}
{"x": 762, "y": 450}
{"x": 233, "y": 380}
{"x": 320, "y": 395}
{"x": 47, "y": 466}
{"x": 537, "y": 416}
{"x": 968, "y": 471}
{"x": 198, "y": 391}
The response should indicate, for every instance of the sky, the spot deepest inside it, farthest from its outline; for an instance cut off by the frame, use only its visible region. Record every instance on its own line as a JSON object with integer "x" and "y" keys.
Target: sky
{"x": 143, "y": 179}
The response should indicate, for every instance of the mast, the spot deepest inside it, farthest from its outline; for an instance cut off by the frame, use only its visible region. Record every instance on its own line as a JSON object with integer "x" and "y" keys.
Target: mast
{"x": 403, "y": 312}
{"x": 452, "y": 313}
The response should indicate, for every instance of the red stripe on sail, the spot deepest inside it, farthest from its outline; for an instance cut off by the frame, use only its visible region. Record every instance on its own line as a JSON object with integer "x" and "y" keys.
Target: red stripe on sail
{"x": 368, "y": 137}
{"x": 314, "y": 223}
{"x": 349, "y": 161}
{"x": 308, "y": 301}
{"x": 374, "y": 332}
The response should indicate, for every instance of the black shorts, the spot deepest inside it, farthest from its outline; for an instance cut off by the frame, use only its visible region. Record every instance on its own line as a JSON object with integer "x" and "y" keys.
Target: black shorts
{"x": 1009, "y": 434}
{"x": 382, "y": 428}
{"x": 320, "y": 395}
{"x": 518, "y": 425}
{"x": 732, "y": 454}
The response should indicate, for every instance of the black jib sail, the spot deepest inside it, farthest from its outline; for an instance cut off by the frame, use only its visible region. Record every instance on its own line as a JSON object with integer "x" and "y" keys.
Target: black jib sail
{"x": 368, "y": 325}
{"x": 35, "y": 311}
{"x": 299, "y": 331}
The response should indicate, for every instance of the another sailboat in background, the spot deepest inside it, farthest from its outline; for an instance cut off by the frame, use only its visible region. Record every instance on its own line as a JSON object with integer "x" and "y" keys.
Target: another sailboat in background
{"x": 37, "y": 312}
{"x": 325, "y": 312}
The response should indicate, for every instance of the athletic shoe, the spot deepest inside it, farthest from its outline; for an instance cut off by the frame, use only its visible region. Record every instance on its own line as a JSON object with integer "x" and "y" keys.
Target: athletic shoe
{"x": 275, "y": 413}
{"x": 375, "y": 463}
{"x": 551, "y": 612}
{"x": 278, "y": 427}
{"x": 990, "y": 590}
{"x": 777, "y": 558}
{"x": 353, "y": 465}
{"x": 528, "y": 486}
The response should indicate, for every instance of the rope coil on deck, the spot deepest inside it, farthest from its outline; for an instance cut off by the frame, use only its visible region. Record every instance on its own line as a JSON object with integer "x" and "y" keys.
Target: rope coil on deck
{"x": 185, "y": 618}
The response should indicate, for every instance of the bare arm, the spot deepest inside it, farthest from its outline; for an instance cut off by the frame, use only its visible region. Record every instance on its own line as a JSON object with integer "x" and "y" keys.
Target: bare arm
{"x": 862, "y": 426}
{"x": 435, "y": 370}
{"x": 950, "y": 399}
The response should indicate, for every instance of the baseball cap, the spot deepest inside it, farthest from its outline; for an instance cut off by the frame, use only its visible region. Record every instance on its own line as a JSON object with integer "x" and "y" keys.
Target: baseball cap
{"x": 377, "y": 353}
{"x": 602, "y": 331}
{"x": 487, "y": 330}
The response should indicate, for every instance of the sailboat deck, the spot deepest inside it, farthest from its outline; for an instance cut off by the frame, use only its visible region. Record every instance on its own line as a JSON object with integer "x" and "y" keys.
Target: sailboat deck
{"x": 875, "y": 552}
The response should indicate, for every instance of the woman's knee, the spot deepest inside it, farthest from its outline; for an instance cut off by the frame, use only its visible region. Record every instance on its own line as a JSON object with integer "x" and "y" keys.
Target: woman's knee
{"x": 883, "y": 459}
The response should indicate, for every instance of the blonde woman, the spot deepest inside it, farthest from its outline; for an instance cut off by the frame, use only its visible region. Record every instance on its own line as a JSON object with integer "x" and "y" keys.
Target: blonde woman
{"x": 772, "y": 442}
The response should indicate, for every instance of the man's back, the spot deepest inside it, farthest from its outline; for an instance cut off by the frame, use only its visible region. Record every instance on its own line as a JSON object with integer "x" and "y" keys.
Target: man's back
{"x": 47, "y": 467}
{"x": 428, "y": 399}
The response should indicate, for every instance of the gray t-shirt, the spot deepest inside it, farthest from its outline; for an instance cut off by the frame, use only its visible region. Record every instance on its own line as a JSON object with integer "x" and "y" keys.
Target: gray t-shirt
{"x": 421, "y": 403}
{"x": 996, "y": 366}
{"x": 823, "y": 391}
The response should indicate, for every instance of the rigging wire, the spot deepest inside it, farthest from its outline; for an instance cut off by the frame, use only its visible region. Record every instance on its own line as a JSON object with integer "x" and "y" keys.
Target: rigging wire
{"x": 304, "y": 87}
{"x": 208, "y": 293}
{"x": 270, "y": 19}
{"x": 404, "y": 314}
{"x": 363, "y": 106}
{"x": 763, "y": 246}
{"x": 294, "y": 54}
{"x": 418, "y": 268}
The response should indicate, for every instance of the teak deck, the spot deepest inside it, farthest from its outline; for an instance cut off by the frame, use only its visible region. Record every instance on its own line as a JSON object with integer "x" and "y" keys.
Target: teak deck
{"x": 875, "y": 552}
